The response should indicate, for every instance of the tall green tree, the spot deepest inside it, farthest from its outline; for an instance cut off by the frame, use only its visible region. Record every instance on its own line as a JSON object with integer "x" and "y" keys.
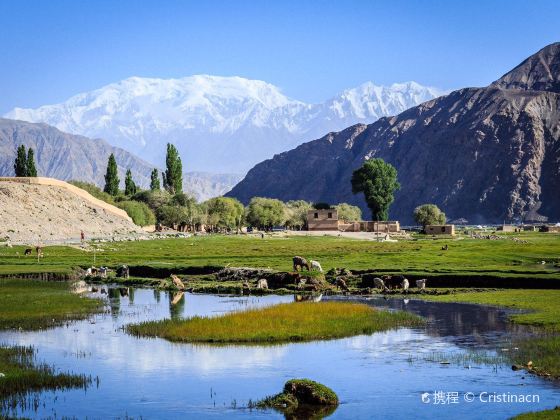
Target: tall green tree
{"x": 129, "y": 184}
{"x": 154, "y": 183}
{"x": 173, "y": 176}
{"x": 31, "y": 168}
{"x": 265, "y": 213}
{"x": 348, "y": 213}
{"x": 377, "y": 179}
{"x": 112, "y": 177}
{"x": 429, "y": 214}
{"x": 296, "y": 213}
{"x": 20, "y": 164}
{"x": 224, "y": 213}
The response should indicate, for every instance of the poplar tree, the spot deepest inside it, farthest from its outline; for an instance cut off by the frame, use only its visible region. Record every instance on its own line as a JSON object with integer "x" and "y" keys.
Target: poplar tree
{"x": 173, "y": 176}
{"x": 129, "y": 185}
{"x": 20, "y": 164}
{"x": 111, "y": 177}
{"x": 154, "y": 184}
{"x": 31, "y": 169}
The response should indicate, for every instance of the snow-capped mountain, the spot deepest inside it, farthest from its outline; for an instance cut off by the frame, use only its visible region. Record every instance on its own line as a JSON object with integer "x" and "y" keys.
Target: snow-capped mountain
{"x": 219, "y": 124}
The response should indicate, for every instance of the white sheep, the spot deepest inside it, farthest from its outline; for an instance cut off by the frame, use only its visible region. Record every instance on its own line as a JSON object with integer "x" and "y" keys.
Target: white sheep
{"x": 316, "y": 266}
{"x": 405, "y": 285}
{"x": 421, "y": 284}
{"x": 379, "y": 283}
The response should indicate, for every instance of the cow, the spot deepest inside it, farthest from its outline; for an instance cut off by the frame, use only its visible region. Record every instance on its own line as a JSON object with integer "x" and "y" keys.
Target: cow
{"x": 28, "y": 251}
{"x": 103, "y": 272}
{"x": 299, "y": 263}
{"x": 421, "y": 284}
{"x": 316, "y": 266}
{"x": 123, "y": 271}
{"x": 262, "y": 284}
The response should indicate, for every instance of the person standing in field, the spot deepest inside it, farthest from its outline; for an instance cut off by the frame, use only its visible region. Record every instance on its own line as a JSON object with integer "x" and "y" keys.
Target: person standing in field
{"x": 82, "y": 236}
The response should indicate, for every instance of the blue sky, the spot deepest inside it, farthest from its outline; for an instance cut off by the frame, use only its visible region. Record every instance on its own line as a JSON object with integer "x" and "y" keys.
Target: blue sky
{"x": 311, "y": 49}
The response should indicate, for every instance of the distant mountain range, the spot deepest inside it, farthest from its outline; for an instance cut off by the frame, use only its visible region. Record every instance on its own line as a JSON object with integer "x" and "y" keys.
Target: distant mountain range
{"x": 69, "y": 157}
{"x": 219, "y": 124}
{"x": 487, "y": 154}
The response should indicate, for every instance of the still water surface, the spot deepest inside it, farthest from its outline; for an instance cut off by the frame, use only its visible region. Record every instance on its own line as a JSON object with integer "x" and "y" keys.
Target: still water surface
{"x": 382, "y": 375}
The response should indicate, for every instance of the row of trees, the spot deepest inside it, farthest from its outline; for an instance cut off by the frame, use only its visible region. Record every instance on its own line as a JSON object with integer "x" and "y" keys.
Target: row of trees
{"x": 228, "y": 214}
{"x": 172, "y": 177}
{"x": 24, "y": 164}
{"x": 376, "y": 179}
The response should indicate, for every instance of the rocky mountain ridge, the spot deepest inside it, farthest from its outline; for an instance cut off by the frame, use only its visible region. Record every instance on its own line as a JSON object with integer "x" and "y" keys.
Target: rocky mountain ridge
{"x": 484, "y": 154}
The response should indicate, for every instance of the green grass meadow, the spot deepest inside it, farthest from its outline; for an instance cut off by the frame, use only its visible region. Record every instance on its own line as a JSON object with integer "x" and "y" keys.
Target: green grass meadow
{"x": 421, "y": 256}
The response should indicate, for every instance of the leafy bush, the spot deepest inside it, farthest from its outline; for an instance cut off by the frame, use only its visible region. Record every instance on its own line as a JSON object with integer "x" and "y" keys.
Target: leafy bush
{"x": 154, "y": 199}
{"x": 139, "y": 212}
{"x": 94, "y": 190}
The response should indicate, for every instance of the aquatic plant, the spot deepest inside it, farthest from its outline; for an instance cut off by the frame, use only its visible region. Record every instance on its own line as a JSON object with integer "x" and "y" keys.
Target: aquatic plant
{"x": 289, "y": 322}
{"x": 21, "y": 378}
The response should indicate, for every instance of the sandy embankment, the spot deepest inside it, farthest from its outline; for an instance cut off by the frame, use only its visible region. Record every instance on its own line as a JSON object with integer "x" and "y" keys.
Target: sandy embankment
{"x": 44, "y": 210}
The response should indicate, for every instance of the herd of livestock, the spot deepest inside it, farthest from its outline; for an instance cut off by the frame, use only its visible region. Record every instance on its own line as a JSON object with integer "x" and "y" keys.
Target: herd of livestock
{"x": 384, "y": 283}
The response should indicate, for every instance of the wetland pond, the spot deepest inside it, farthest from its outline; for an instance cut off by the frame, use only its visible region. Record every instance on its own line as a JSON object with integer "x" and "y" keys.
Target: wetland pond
{"x": 382, "y": 375}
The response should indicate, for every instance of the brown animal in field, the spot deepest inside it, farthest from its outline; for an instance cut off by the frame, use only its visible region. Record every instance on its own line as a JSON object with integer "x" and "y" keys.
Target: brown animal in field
{"x": 341, "y": 284}
{"x": 299, "y": 263}
{"x": 28, "y": 251}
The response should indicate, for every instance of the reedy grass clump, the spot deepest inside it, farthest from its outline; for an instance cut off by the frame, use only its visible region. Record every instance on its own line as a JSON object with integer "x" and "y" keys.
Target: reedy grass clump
{"x": 21, "y": 377}
{"x": 32, "y": 305}
{"x": 289, "y": 322}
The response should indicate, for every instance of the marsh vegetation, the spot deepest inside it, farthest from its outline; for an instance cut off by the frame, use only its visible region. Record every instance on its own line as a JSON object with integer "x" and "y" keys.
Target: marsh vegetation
{"x": 291, "y": 322}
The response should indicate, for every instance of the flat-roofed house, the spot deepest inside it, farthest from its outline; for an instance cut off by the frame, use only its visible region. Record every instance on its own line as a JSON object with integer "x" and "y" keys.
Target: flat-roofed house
{"x": 440, "y": 230}
{"x": 322, "y": 219}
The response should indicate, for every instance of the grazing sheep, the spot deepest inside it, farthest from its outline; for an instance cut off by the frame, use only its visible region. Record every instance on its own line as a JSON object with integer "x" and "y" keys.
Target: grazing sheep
{"x": 262, "y": 284}
{"x": 405, "y": 285}
{"x": 421, "y": 284}
{"x": 379, "y": 283}
{"x": 316, "y": 266}
{"x": 177, "y": 282}
{"x": 299, "y": 263}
